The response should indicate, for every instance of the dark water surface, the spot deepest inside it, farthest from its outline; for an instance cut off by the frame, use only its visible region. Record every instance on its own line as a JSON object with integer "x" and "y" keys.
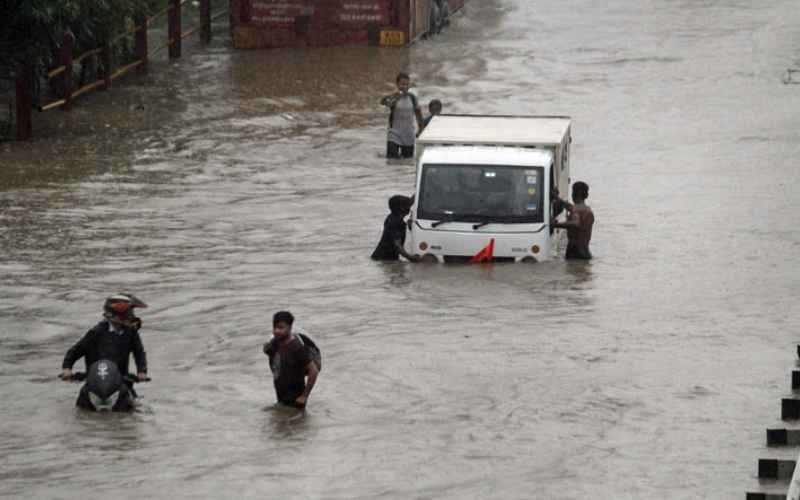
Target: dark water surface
{"x": 232, "y": 184}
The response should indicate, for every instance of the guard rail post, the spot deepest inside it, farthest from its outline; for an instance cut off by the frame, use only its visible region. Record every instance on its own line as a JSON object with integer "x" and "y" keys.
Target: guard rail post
{"x": 205, "y": 20}
{"x": 105, "y": 56}
{"x": 65, "y": 58}
{"x": 174, "y": 20}
{"x": 141, "y": 42}
{"x": 24, "y": 102}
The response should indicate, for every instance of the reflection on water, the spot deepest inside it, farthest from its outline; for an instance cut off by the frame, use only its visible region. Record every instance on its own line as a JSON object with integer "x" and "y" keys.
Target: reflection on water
{"x": 110, "y": 432}
{"x": 285, "y": 422}
{"x": 397, "y": 274}
{"x": 581, "y": 270}
{"x": 229, "y": 185}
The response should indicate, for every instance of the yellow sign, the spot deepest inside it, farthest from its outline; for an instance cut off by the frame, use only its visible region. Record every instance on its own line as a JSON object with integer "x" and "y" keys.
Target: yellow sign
{"x": 393, "y": 38}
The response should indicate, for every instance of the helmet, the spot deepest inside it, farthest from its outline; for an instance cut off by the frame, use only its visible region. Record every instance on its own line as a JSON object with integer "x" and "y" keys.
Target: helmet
{"x": 119, "y": 309}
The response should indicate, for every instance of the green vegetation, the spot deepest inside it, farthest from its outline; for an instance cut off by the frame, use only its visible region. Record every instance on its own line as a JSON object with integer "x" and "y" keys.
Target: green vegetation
{"x": 31, "y": 30}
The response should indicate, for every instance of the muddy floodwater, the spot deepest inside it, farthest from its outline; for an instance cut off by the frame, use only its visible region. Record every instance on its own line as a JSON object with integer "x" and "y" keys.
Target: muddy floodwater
{"x": 228, "y": 185}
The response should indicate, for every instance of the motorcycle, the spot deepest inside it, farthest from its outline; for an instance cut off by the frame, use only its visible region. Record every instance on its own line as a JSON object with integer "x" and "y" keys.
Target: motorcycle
{"x": 106, "y": 389}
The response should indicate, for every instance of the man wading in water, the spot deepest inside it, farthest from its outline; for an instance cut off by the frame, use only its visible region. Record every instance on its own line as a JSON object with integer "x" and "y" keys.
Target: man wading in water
{"x": 404, "y": 118}
{"x": 290, "y": 361}
{"x": 579, "y": 224}
{"x": 391, "y": 245}
{"x": 115, "y": 338}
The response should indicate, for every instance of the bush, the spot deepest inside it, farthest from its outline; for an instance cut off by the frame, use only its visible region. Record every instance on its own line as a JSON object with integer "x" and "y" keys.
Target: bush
{"x": 32, "y": 30}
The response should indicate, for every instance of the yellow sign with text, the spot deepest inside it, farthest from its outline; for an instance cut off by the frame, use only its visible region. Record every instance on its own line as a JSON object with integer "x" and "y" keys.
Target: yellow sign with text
{"x": 393, "y": 38}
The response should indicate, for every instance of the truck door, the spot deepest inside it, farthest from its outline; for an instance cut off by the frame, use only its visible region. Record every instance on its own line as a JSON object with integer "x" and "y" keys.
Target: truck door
{"x": 563, "y": 175}
{"x": 552, "y": 197}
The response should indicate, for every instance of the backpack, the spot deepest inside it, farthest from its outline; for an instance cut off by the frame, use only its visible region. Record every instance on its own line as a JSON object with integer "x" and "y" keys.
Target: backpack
{"x": 312, "y": 348}
{"x": 305, "y": 341}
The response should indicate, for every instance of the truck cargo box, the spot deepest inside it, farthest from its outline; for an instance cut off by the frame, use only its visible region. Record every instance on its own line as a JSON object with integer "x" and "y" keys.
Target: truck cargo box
{"x": 542, "y": 132}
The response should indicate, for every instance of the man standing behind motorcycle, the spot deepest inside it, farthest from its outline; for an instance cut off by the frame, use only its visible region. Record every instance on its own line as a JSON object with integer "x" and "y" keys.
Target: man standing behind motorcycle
{"x": 114, "y": 338}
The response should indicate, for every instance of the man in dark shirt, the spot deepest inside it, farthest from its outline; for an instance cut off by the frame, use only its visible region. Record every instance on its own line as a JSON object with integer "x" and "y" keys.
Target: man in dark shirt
{"x": 393, "y": 238}
{"x": 290, "y": 362}
{"x": 434, "y": 108}
{"x": 114, "y": 338}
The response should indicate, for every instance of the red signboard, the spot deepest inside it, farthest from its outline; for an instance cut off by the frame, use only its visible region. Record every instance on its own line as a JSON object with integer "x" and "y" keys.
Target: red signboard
{"x": 354, "y": 13}
{"x": 319, "y": 23}
{"x": 363, "y": 12}
{"x": 278, "y": 12}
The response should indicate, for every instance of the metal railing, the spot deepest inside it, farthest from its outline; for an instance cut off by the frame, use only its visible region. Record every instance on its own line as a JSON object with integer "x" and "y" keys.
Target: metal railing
{"x": 24, "y": 99}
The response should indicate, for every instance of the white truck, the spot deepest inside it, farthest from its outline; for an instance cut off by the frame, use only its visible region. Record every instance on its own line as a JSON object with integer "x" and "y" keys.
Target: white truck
{"x": 486, "y": 185}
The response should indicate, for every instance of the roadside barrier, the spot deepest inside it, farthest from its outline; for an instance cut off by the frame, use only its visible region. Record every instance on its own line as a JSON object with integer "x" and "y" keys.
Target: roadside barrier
{"x": 25, "y": 76}
{"x": 777, "y": 477}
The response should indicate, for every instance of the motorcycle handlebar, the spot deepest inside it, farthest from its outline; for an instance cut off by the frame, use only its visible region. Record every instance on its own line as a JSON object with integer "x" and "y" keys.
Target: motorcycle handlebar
{"x": 81, "y": 376}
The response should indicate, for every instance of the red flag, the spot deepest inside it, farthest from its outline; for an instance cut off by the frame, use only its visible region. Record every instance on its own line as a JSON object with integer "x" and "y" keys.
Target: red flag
{"x": 486, "y": 253}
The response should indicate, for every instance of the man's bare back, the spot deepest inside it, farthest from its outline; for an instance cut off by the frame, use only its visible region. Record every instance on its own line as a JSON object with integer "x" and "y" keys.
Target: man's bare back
{"x": 580, "y": 235}
{"x": 579, "y": 224}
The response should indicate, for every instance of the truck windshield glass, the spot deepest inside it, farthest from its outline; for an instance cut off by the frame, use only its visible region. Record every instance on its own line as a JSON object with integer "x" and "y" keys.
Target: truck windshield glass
{"x": 481, "y": 193}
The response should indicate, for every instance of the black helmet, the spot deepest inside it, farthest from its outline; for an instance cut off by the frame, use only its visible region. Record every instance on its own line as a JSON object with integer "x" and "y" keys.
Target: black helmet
{"x": 119, "y": 309}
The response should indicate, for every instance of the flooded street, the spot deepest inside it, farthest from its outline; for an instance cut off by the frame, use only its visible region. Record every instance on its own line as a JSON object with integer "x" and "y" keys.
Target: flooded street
{"x": 230, "y": 185}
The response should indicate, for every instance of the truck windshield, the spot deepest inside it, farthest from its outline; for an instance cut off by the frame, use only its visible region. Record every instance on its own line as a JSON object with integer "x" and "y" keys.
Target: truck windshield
{"x": 481, "y": 193}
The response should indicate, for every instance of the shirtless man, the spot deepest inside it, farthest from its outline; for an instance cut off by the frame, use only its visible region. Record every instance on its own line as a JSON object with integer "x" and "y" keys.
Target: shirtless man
{"x": 579, "y": 224}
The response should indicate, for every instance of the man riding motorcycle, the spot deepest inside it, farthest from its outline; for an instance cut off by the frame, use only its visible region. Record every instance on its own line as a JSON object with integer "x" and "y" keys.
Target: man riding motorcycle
{"x": 113, "y": 339}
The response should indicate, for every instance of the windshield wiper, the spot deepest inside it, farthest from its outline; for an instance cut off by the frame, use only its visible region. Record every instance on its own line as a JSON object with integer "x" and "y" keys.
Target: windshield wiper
{"x": 440, "y": 222}
{"x": 479, "y": 225}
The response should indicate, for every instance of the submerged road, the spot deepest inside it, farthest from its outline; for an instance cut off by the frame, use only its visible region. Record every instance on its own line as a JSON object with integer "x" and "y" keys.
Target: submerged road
{"x": 232, "y": 184}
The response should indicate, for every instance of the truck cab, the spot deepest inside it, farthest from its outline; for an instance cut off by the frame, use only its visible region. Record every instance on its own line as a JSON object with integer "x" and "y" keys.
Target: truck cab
{"x": 488, "y": 183}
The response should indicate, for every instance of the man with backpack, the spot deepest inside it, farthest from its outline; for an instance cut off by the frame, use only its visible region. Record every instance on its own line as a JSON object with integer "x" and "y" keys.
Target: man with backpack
{"x": 405, "y": 117}
{"x": 292, "y": 358}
